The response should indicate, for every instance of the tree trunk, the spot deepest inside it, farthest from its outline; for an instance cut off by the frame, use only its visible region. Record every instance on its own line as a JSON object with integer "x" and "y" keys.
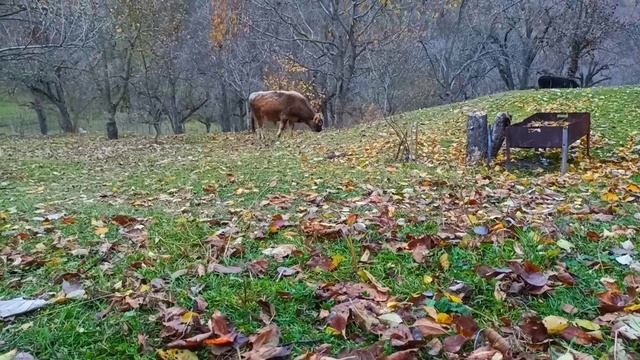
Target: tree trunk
{"x": 112, "y": 129}
{"x": 477, "y": 137}
{"x": 498, "y": 133}
{"x": 178, "y": 127}
{"x": 574, "y": 61}
{"x": 66, "y": 124}
{"x": 42, "y": 116}
{"x": 156, "y": 127}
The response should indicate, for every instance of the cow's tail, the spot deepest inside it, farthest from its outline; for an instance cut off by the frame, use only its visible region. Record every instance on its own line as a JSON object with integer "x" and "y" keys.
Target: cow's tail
{"x": 251, "y": 119}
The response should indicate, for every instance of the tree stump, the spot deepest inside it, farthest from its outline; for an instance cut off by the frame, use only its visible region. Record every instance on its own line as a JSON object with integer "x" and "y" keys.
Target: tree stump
{"x": 477, "y": 137}
{"x": 498, "y": 133}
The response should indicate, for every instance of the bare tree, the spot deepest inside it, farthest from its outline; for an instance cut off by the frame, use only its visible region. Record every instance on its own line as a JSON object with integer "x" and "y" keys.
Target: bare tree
{"x": 587, "y": 25}
{"x": 330, "y": 37}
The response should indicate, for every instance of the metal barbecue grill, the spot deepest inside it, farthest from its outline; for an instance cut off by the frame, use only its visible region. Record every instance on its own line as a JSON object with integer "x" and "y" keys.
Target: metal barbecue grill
{"x": 549, "y": 130}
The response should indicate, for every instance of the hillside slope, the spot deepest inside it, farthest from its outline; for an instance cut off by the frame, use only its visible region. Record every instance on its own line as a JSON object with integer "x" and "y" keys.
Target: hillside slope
{"x": 138, "y": 245}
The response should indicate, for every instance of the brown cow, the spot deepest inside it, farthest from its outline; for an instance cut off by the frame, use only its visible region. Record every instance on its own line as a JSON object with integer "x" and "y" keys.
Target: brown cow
{"x": 284, "y": 107}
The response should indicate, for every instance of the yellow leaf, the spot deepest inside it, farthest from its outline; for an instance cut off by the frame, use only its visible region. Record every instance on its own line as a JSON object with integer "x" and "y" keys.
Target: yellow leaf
{"x": 632, "y": 308}
{"x": 609, "y": 197}
{"x": 336, "y": 260}
{"x": 3, "y": 215}
{"x": 176, "y": 354}
{"x": 101, "y": 230}
{"x": 453, "y": 298}
{"x": 368, "y": 278}
{"x": 472, "y": 219}
{"x": 144, "y": 288}
{"x": 555, "y": 324}
{"x": 431, "y": 311}
{"x": 188, "y": 316}
{"x": 444, "y": 261}
{"x": 427, "y": 279}
{"x": 633, "y": 188}
{"x": 392, "y": 305}
{"x": 587, "y": 325}
{"x": 444, "y": 318}
{"x": 588, "y": 176}
{"x": 331, "y": 331}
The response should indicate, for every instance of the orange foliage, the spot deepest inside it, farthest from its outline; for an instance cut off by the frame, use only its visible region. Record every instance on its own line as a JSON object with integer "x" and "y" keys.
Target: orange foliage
{"x": 225, "y": 21}
{"x": 291, "y": 76}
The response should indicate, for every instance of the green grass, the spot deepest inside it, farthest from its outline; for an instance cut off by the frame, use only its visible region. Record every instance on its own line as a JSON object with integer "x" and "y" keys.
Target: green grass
{"x": 90, "y": 179}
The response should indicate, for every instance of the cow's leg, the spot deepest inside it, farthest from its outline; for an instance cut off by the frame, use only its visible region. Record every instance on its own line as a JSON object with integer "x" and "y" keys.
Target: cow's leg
{"x": 291, "y": 126}
{"x": 282, "y": 124}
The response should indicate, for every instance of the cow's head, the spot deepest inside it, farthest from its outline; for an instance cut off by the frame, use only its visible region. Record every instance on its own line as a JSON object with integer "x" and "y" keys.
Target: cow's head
{"x": 317, "y": 122}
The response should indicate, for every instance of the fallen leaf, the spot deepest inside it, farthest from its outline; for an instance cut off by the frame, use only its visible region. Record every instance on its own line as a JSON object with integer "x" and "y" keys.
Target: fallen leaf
{"x": 102, "y": 230}
{"x": 176, "y": 354}
{"x": 453, "y": 344}
{"x": 429, "y": 327}
{"x": 586, "y": 324}
{"x": 368, "y": 278}
{"x": 444, "y": 318}
{"x": 577, "y": 335}
{"x": 569, "y": 309}
{"x": 391, "y": 319}
{"x": 224, "y": 269}
{"x": 609, "y": 196}
{"x": 565, "y": 245}
{"x": 628, "y": 326}
{"x": 533, "y": 327}
{"x": 555, "y": 324}
{"x": 465, "y": 326}
{"x": 444, "y": 261}
{"x": 426, "y": 279}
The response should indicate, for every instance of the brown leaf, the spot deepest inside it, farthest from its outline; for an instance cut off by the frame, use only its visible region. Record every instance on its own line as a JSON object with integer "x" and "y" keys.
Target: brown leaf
{"x": 318, "y": 262}
{"x": 218, "y": 324}
{"x": 280, "y": 252}
{"x": 322, "y": 230}
{"x": 434, "y": 346}
{"x": 632, "y": 281}
{"x": 576, "y": 335}
{"x": 258, "y": 267}
{"x": 465, "y": 326}
{"x": 213, "y": 267}
{"x": 593, "y": 236}
{"x": 569, "y": 309}
{"x": 613, "y": 301}
{"x": 338, "y": 322}
{"x": 454, "y": 343}
{"x": 373, "y": 352}
{"x": 124, "y": 220}
{"x": 497, "y": 341}
{"x": 533, "y": 327}
{"x": 483, "y": 353}
{"x": 410, "y": 354}
{"x": 429, "y": 327}
{"x": 288, "y": 271}
{"x": 267, "y": 311}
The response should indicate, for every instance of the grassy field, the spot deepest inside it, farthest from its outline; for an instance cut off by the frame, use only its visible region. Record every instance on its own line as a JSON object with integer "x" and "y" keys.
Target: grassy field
{"x": 206, "y": 218}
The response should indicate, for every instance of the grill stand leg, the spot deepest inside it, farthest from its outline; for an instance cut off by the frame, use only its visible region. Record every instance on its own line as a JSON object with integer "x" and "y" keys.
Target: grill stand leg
{"x": 507, "y": 154}
{"x": 565, "y": 150}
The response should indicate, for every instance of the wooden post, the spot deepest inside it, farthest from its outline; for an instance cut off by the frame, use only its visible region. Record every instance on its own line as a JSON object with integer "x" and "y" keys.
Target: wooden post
{"x": 565, "y": 150}
{"x": 477, "y": 137}
{"x": 498, "y": 133}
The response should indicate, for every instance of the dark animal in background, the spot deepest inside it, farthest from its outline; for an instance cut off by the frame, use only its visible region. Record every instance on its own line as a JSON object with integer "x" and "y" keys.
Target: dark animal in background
{"x": 284, "y": 107}
{"x": 556, "y": 82}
